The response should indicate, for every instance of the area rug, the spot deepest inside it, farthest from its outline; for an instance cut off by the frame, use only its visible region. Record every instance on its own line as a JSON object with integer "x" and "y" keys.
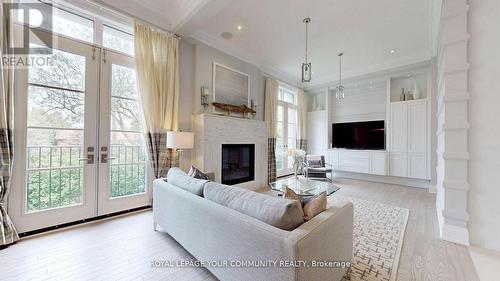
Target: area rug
{"x": 379, "y": 231}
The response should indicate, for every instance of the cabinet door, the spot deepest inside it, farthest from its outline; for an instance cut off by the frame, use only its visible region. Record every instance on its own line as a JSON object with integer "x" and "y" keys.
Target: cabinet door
{"x": 417, "y": 167}
{"x": 399, "y": 124}
{"x": 379, "y": 163}
{"x": 333, "y": 160}
{"x": 417, "y": 127}
{"x": 399, "y": 164}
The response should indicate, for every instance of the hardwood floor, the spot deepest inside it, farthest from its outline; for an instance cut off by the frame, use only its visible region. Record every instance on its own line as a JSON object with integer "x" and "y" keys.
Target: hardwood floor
{"x": 123, "y": 248}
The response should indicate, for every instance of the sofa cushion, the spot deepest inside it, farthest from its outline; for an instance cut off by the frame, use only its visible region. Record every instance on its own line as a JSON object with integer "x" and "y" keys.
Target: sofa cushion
{"x": 180, "y": 179}
{"x": 281, "y": 213}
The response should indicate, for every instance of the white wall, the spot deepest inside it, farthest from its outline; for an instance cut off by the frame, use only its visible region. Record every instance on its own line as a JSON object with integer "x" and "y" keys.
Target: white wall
{"x": 484, "y": 134}
{"x": 195, "y": 71}
{"x": 204, "y": 58}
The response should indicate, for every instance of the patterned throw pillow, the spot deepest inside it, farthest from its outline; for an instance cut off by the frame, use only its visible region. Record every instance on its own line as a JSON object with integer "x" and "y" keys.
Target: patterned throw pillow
{"x": 311, "y": 206}
{"x": 197, "y": 174}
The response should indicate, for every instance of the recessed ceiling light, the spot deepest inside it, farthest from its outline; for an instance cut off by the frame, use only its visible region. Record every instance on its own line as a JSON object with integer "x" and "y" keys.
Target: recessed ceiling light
{"x": 239, "y": 27}
{"x": 392, "y": 51}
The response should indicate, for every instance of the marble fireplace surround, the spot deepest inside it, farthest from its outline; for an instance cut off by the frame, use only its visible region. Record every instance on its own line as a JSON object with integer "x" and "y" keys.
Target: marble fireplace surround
{"x": 211, "y": 131}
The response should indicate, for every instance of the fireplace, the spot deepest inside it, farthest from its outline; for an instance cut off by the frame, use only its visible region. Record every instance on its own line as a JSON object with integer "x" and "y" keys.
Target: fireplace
{"x": 238, "y": 163}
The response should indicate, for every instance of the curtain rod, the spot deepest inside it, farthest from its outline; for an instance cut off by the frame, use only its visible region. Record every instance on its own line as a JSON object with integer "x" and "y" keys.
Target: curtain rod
{"x": 99, "y": 4}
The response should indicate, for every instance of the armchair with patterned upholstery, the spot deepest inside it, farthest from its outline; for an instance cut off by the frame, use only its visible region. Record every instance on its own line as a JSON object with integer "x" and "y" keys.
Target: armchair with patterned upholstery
{"x": 315, "y": 167}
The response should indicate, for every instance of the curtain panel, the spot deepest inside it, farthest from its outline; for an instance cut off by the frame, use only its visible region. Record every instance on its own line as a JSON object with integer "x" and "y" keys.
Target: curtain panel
{"x": 302, "y": 120}
{"x": 270, "y": 116}
{"x": 8, "y": 233}
{"x": 157, "y": 59}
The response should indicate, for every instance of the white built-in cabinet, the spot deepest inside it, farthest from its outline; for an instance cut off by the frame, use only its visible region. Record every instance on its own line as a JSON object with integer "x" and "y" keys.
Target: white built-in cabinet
{"x": 408, "y": 139}
{"x": 359, "y": 161}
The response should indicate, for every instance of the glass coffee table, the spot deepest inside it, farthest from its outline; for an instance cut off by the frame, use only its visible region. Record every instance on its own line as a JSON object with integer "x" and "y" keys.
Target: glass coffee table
{"x": 304, "y": 187}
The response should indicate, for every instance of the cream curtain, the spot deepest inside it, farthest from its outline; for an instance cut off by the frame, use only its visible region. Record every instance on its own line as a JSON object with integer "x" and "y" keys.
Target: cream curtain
{"x": 302, "y": 120}
{"x": 8, "y": 234}
{"x": 157, "y": 59}
{"x": 270, "y": 116}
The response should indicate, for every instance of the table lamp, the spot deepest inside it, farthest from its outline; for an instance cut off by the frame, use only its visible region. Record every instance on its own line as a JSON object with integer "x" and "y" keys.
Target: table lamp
{"x": 180, "y": 141}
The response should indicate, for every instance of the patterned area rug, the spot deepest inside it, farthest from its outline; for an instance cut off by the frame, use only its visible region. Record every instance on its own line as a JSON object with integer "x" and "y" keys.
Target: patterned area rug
{"x": 379, "y": 231}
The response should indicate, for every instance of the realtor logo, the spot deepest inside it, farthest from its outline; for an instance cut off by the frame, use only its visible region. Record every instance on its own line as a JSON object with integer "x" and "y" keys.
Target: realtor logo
{"x": 30, "y": 33}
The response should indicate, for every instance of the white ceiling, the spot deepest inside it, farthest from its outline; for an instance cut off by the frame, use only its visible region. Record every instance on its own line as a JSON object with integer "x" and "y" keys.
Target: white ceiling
{"x": 365, "y": 31}
{"x": 273, "y": 35}
{"x": 167, "y": 14}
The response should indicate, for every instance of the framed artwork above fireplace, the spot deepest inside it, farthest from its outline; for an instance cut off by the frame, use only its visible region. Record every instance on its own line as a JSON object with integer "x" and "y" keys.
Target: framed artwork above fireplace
{"x": 230, "y": 86}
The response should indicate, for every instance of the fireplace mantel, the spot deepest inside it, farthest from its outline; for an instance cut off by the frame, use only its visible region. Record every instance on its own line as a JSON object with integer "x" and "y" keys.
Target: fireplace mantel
{"x": 211, "y": 131}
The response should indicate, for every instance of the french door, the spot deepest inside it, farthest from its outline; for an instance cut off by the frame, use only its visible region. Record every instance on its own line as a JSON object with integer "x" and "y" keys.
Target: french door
{"x": 79, "y": 152}
{"x": 286, "y": 137}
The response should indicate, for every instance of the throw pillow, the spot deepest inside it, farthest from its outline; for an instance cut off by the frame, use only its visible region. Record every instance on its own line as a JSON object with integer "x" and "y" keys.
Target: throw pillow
{"x": 314, "y": 205}
{"x": 311, "y": 206}
{"x": 197, "y": 174}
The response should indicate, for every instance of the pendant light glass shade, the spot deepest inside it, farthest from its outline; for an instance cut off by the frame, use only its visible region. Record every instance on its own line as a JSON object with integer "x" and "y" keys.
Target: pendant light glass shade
{"x": 340, "y": 90}
{"x": 306, "y": 66}
{"x": 306, "y": 72}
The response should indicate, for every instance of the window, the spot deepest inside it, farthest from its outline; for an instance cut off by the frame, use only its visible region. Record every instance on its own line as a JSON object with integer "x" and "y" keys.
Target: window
{"x": 63, "y": 22}
{"x": 286, "y": 129}
{"x": 118, "y": 40}
{"x": 56, "y": 96}
{"x": 128, "y": 170}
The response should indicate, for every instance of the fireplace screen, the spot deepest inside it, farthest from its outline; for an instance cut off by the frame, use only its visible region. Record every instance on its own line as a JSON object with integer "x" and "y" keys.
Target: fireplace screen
{"x": 237, "y": 163}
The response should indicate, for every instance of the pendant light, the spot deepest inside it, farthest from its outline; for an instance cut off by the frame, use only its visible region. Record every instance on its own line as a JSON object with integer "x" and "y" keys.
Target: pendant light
{"x": 306, "y": 67}
{"x": 340, "y": 90}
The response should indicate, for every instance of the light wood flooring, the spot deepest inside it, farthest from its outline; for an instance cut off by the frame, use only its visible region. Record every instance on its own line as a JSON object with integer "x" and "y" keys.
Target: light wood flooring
{"x": 123, "y": 248}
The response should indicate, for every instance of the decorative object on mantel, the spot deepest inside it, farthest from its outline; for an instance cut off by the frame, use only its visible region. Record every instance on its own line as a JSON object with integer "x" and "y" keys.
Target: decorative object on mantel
{"x": 298, "y": 158}
{"x": 205, "y": 93}
{"x": 340, "y": 89}
{"x": 306, "y": 66}
{"x": 229, "y": 108}
{"x": 253, "y": 106}
{"x": 231, "y": 87}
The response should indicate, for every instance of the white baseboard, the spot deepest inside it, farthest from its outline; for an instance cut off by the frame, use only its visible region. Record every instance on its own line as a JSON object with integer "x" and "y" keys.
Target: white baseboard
{"x": 455, "y": 234}
{"x": 384, "y": 179}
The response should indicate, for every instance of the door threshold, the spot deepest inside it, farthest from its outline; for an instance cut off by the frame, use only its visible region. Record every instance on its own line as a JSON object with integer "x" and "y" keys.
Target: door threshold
{"x": 73, "y": 224}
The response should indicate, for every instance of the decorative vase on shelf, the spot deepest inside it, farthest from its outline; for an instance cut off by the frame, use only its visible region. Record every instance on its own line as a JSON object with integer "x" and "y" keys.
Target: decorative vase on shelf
{"x": 403, "y": 95}
{"x": 416, "y": 91}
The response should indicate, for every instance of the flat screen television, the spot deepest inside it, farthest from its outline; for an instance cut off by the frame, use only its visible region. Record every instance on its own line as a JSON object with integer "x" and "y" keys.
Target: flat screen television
{"x": 359, "y": 135}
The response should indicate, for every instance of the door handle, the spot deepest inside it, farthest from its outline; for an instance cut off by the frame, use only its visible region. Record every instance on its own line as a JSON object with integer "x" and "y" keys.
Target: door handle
{"x": 105, "y": 158}
{"x": 89, "y": 159}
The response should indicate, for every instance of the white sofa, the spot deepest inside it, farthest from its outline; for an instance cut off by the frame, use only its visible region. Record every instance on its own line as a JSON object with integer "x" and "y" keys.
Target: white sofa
{"x": 212, "y": 232}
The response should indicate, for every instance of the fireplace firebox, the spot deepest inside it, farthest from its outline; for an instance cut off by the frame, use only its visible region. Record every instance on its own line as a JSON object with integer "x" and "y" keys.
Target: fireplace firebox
{"x": 238, "y": 163}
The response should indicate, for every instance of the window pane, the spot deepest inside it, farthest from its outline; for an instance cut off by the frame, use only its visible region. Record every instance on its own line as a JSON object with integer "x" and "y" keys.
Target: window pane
{"x": 292, "y": 131}
{"x": 63, "y": 22}
{"x": 55, "y": 108}
{"x": 128, "y": 168}
{"x": 125, "y": 115}
{"x": 67, "y": 71}
{"x": 54, "y": 172}
{"x": 280, "y": 130}
{"x": 292, "y": 116}
{"x": 123, "y": 82}
{"x": 118, "y": 40}
{"x": 280, "y": 113}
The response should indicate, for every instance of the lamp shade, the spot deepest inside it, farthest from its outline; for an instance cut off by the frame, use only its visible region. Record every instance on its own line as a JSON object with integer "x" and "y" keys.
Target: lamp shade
{"x": 180, "y": 140}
